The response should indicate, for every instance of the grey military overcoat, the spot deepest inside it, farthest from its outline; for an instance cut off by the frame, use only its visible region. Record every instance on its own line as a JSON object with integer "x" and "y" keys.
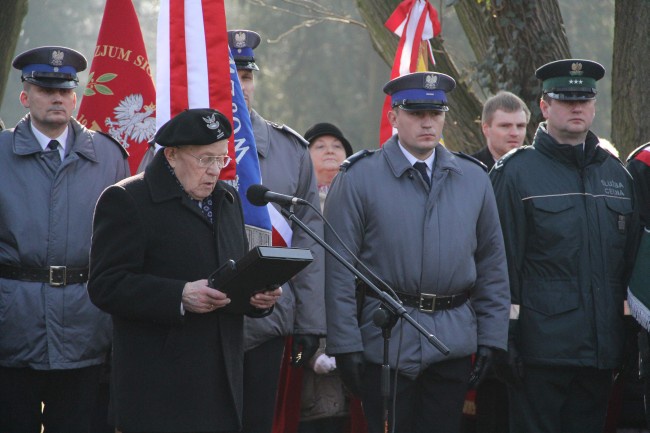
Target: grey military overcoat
{"x": 45, "y": 220}
{"x": 287, "y": 169}
{"x": 444, "y": 240}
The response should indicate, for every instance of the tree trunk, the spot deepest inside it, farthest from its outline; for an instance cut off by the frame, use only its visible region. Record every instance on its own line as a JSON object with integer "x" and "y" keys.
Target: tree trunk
{"x": 462, "y": 132}
{"x": 12, "y": 14}
{"x": 509, "y": 42}
{"x": 631, "y": 67}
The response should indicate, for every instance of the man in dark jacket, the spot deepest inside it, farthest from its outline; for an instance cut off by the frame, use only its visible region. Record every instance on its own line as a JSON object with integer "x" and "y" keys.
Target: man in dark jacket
{"x": 53, "y": 341}
{"x": 157, "y": 236}
{"x": 567, "y": 211}
{"x": 503, "y": 123}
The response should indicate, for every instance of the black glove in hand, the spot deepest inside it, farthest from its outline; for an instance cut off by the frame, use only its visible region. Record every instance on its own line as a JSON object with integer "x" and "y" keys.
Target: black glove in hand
{"x": 351, "y": 366}
{"x": 515, "y": 364}
{"x": 509, "y": 366}
{"x": 482, "y": 364}
{"x": 303, "y": 348}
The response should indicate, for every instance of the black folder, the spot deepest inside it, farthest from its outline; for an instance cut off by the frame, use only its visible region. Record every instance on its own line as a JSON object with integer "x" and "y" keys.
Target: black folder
{"x": 260, "y": 268}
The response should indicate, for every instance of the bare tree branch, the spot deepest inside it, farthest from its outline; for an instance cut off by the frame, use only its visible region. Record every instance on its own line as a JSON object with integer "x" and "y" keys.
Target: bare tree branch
{"x": 315, "y": 14}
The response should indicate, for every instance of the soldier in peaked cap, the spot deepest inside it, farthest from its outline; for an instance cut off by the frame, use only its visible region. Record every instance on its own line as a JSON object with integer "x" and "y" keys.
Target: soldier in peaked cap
{"x": 286, "y": 168}
{"x": 445, "y": 263}
{"x": 177, "y": 361}
{"x": 54, "y": 67}
{"x": 53, "y": 341}
{"x": 242, "y": 43}
{"x": 570, "y": 224}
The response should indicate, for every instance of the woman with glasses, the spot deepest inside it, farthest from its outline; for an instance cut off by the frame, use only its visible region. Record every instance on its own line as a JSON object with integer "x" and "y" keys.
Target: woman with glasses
{"x": 157, "y": 236}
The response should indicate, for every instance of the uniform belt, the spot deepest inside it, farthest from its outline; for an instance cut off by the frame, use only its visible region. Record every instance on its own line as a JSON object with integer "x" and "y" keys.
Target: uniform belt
{"x": 54, "y": 275}
{"x": 428, "y": 303}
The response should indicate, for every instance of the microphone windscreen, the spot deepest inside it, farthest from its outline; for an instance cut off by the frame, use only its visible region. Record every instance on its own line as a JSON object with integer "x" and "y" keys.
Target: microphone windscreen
{"x": 255, "y": 195}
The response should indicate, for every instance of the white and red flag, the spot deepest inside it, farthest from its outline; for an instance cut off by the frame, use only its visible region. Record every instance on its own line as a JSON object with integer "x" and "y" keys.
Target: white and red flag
{"x": 195, "y": 70}
{"x": 120, "y": 98}
{"x": 415, "y": 22}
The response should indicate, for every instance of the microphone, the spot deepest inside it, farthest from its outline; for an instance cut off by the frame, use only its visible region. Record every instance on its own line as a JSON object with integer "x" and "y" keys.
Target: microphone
{"x": 259, "y": 195}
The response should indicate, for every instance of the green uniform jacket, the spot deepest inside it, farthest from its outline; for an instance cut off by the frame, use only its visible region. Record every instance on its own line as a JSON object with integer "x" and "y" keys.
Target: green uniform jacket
{"x": 569, "y": 225}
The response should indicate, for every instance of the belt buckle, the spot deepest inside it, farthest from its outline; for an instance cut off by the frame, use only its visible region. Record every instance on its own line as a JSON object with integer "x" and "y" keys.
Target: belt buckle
{"x": 427, "y": 303}
{"x": 58, "y": 276}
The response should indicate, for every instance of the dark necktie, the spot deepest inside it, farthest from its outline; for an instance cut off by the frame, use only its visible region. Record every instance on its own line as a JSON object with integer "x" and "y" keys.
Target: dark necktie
{"x": 422, "y": 168}
{"x": 53, "y": 157}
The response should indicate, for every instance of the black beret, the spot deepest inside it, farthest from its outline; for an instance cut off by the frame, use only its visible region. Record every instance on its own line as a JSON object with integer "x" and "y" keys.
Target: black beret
{"x": 51, "y": 66}
{"x": 194, "y": 127}
{"x": 420, "y": 91}
{"x": 570, "y": 79}
{"x": 242, "y": 43}
{"x": 320, "y": 129}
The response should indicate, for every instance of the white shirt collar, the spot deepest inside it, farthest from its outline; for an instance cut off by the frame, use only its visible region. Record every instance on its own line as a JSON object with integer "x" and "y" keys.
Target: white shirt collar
{"x": 412, "y": 159}
{"x": 44, "y": 140}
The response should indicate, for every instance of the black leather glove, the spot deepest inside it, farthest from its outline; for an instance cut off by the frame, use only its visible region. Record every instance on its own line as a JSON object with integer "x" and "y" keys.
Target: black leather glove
{"x": 508, "y": 366}
{"x": 482, "y": 364}
{"x": 351, "y": 366}
{"x": 303, "y": 348}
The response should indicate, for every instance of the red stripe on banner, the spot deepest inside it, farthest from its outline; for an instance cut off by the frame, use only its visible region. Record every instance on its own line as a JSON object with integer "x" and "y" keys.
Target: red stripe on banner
{"x": 644, "y": 156}
{"x": 178, "y": 86}
{"x": 216, "y": 42}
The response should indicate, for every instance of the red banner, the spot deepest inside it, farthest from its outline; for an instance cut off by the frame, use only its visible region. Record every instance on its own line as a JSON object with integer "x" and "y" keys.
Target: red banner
{"x": 120, "y": 98}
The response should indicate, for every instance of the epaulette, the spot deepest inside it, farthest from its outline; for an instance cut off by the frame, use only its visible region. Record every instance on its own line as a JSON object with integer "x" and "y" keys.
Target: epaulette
{"x": 124, "y": 152}
{"x": 287, "y": 129}
{"x": 636, "y": 151}
{"x": 502, "y": 161}
{"x": 349, "y": 162}
{"x": 471, "y": 158}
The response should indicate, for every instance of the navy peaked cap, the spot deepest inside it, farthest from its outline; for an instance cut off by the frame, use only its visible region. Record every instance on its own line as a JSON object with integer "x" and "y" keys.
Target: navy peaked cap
{"x": 420, "y": 91}
{"x": 51, "y": 66}
{"x": 242, "y": 43}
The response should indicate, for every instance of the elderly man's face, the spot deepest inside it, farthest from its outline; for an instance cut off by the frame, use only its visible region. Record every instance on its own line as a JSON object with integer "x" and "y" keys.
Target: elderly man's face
{"x": 197, "y": 181}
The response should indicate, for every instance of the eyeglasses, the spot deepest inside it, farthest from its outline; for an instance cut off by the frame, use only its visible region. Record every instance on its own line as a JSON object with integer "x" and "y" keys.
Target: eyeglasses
{"x": 208, "y": 161}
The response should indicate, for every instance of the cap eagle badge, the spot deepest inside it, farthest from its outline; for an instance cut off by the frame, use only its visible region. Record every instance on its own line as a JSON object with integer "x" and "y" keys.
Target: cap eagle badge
{"x": 430, "y": 82}
{"x": 57, "y": 58}
{"x": 240, "y": 40}
{"x": 576, "y": 69}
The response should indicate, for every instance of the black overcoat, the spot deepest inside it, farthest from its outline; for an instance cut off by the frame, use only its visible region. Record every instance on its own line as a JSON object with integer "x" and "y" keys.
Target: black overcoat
{"x": 171, "y": 372}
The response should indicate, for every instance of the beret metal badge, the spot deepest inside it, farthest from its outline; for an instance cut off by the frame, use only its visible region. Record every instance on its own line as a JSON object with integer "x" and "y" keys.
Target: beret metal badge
{"x": 211, "y": 122}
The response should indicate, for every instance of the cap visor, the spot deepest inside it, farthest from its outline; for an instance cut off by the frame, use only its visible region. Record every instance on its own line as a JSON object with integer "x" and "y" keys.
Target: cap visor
{"x": 423, "y": 107}
{"x": 52, "y": 84}
{"x": 572, "y": 96}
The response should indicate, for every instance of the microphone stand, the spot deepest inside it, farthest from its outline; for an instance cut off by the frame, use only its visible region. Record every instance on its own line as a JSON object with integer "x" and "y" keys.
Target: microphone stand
{"x": 386, "y": 317}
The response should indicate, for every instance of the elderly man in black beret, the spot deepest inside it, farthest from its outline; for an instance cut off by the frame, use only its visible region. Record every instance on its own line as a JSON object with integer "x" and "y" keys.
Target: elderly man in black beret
{"x": 570, "y": 225}
{"x": 157, "y": 236}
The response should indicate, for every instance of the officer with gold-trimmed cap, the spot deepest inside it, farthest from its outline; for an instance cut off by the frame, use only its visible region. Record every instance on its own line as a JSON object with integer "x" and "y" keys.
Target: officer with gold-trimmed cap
{"x": 570, "y": 79}
{"x": 569, "y": 218}
{"x": 242, "y": 43}
{"x": 51, "y": 66}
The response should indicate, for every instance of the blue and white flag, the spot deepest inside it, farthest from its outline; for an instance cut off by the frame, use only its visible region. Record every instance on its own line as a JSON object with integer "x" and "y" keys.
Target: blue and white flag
{"x": 258, "y": 222}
